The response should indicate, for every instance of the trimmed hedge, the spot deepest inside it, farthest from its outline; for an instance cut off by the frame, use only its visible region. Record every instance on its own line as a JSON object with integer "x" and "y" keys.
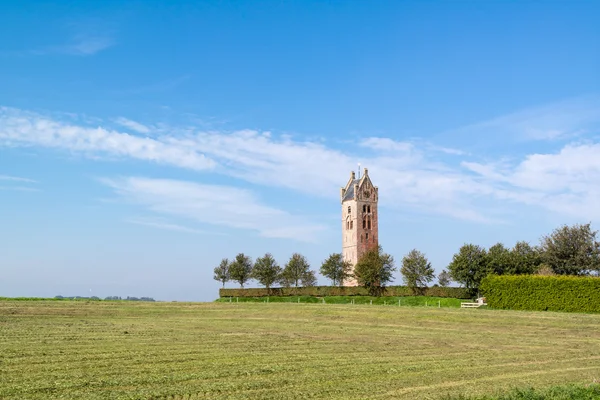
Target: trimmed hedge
{"x": 322, "y": 291}
{"x": 542, "y": 293}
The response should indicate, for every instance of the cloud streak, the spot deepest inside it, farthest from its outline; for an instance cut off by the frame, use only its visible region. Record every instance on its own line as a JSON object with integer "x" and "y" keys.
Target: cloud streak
{"x": 411, "y": 177}
{"x": 133, "y": 125}
{"x": 162, "y": 224}
{"x": 16, "y": 179}
{"x": 18, "y": 128}
{"x": 559, "y": 121}
{"x": 214, "y": 205}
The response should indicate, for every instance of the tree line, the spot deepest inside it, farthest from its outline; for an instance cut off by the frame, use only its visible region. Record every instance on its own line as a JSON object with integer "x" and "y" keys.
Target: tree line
{"x": 374, "y": 270}
{"x": 568, "y": 250}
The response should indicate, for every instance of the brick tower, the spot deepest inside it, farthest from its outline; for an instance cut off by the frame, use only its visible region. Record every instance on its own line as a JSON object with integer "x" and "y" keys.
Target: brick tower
{"x": 359, "y": 218}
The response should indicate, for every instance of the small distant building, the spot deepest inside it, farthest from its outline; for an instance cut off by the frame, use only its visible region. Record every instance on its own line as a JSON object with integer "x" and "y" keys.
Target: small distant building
{"x": 359, "y": 218}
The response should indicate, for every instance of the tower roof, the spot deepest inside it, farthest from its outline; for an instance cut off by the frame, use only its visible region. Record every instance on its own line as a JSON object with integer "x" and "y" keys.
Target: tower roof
{"x": 348, "y": 191}
{"x": 349, "y": 195}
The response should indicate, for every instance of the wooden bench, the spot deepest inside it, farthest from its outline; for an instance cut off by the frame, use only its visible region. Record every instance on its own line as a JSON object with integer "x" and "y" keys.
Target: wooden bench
{"x": 480, "y": 302}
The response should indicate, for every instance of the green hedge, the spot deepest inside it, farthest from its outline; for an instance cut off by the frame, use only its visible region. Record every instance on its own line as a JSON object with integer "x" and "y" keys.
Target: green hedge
{"x": 321, "y": 291}
{"x": 542, "y": 293}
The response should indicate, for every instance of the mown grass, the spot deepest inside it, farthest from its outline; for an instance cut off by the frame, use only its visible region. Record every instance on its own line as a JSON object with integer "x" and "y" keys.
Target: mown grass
{"x": 121, "y": 350}
{"x": 413, "y": 301}
{"x": 567, "y": 392}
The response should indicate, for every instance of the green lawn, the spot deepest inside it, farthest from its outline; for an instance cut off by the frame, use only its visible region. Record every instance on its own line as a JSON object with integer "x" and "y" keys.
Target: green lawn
{"x": 125, "y": 350}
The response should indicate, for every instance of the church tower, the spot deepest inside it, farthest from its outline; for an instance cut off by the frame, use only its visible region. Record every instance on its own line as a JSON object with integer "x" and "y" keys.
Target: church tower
{"x": 359, "y": 218}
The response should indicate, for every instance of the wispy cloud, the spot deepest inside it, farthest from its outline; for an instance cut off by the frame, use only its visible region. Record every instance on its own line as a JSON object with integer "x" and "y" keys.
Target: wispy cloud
{"x": 411, "y": 176}
{"x": 16, "y": 179}
{"x": 563, "y": 120}
{"x": 17, "y": 184}
{"x": 30, "y": 129}
{"x": 133, "y": 125}
{"x": 79, "y": 45}
{"x": 163, "y": 224}
{"x": 213, "y": 205}
{"x": 19, "y": 188}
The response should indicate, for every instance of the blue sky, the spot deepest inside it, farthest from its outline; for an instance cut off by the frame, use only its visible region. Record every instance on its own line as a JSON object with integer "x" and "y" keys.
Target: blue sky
{"x": 142, "y": 143}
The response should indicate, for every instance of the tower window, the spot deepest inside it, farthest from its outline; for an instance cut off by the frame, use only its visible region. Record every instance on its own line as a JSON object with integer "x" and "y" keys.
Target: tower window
{"x": 364, "y": 208}
{"x": 351, "y": 224}
{"x": 369, "y": 209}
{"x": 349, "y": 209}
{"x": 364, "y": 223}
{"x": 367, "y": 236}
{"x": 369, "y": 223}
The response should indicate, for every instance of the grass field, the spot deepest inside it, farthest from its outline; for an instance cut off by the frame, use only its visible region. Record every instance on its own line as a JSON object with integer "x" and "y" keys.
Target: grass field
{"x": 124, "y": 350}
{"x": 421, "y": 301}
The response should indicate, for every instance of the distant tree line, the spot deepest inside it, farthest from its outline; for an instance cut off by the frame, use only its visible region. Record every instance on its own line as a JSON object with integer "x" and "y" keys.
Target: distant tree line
{"x": 568, "y": 250}
{"x": 106, "y": 298}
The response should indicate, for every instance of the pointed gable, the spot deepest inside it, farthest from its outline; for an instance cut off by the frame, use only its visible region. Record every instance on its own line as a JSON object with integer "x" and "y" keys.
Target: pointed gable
{"x": 349, "y": 192}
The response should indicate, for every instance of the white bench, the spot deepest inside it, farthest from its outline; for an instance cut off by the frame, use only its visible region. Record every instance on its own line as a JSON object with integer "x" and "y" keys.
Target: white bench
{"x": 480, "y": 302}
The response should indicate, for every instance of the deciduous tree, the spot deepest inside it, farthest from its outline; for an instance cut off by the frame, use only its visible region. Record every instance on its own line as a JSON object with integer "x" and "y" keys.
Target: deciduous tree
{"x": 525, "y": 259}
{"x": 498, "y": 259}
{"x": 336, "y": 269}
{"x": 266, "y": 270}
{"x": 222, "y": 272}
{"x": 296, "y": 271}
{"x": 572, "y": 250}
{"x": 444, "y": 279}
{"x": 240, "y": 269}
{"x": 374, "y": 270}
{"x": 416, "y": 271}
{"x": 468, "y": 266}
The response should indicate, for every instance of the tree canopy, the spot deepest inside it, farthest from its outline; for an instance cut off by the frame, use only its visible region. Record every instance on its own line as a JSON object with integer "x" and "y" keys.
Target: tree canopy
{"x": 374, "y": 270}
{"x": 572, "y": 250}
{"x": 266, "y": 270}
{"x": 336, "y": 269}
{"x": 469, "y": 266}
{"x": 444, "y": 279}
{"x": 240, "y": 269}
{"x": 498, "y": 259}
{"x": 297, "y": 271}
{"x": 525, "y": 259}
{"x": 416, "y": 271}
{"x": 221, "y": 273}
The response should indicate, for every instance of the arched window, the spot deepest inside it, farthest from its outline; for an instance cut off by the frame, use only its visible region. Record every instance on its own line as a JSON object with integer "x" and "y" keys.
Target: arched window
{"x": 367, "y": 236}
{"x": 364, "y": 208}
{"x": 369, "y": 209}
{"x": 369, "y": 223}
{"x": 364, "y": 223}
{"x": 349, "y": 209}
{"x": 351, "y": 224}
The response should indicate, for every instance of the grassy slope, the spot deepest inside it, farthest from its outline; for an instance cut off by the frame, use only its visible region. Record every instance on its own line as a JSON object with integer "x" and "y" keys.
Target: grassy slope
{"x": 110, "y": 350}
